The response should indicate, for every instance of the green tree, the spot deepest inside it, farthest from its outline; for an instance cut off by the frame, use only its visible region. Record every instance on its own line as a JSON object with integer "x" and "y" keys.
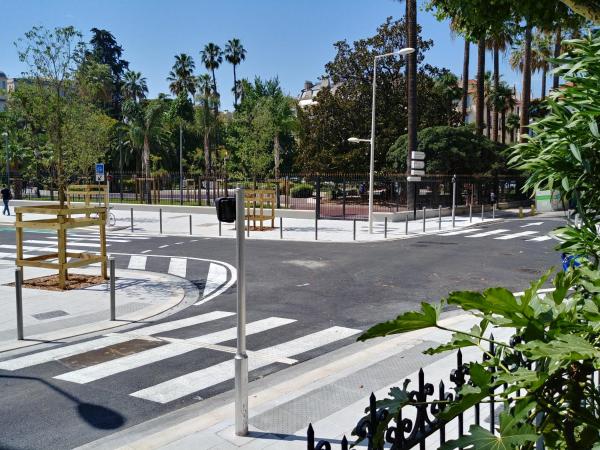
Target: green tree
{"x": 181, "y": 76}
{"x": 450, "y": 150}
{"x": 135, "y": 87}
{"x": 52, "y": 58}
{"x": 206, "y": 98}
{"x": 235, "y": 53}
{"x": 212, "y": 57}
{"x": 448, "y": 90}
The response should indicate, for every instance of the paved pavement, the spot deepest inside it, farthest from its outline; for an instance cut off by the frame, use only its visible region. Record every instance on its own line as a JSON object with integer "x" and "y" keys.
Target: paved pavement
{"x": 305, "y": 300}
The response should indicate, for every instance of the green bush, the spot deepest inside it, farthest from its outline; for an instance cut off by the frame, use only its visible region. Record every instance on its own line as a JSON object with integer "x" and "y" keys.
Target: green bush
{"x": 302, "y": 191}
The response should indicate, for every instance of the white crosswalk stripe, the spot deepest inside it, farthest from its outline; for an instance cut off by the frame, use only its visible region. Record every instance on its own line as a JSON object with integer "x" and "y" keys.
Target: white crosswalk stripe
{"x": 454, "y": 233}
{"x": 540, "y": 239}
{"x": 487, "y": 233}
{"x": 53, "y": 241}
{"x": 217, "y": 276}
{"x": 516, "y": 235}
{"x": 178, "y": 267}
{"x": 201, "y": 379}
{"x": 171, "y": 350}
{"x": 137, "y": 262}
{"x": 532, "y": 224}
{"x": 70, "y": 350}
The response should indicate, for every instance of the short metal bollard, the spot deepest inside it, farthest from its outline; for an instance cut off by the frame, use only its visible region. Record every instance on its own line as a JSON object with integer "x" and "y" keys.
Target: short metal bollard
{"x": 354, "y": 230}
{"x": 113, "y": 282}
{"x": 281, "y": 228}
{"x": 482, "y": 210}
{"x": 132, "y": 220}
{"x": 470, "y": 213}
{"x": 316, "y": 228}
{"x": 440, "y": 217}
{"x": 493, "y": 211}
{"x": 248, "y": 229}
{"x": 191, "y": 224}
{"x": 19, "y": 298}
{"x": 160, "y": 219}
{"x": 406, "y": 224}
{"x": 219, "y": 228}
{"x": 385, "y": 228}
{"x": 424, "y": 217}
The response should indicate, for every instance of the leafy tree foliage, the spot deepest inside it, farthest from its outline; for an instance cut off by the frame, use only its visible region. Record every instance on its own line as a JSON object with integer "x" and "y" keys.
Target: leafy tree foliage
{"x": 450, "y": 150}
{"x": 345, "y": 110}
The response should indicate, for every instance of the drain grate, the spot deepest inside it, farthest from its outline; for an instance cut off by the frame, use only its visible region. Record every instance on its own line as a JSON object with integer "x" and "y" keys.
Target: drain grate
{"x": 50, "y": 314}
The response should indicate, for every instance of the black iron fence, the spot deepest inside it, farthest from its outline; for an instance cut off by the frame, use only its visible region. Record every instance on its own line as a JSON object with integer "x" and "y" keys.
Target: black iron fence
{"x": 418, "y": 422}
{"x": 332, "y": 196}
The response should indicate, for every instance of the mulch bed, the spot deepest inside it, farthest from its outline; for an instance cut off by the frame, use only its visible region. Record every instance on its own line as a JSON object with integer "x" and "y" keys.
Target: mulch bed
{"x": 75, "y": 281}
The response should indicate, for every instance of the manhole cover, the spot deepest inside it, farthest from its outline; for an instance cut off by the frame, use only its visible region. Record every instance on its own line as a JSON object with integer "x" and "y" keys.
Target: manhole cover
{"x": 50, "y": 314}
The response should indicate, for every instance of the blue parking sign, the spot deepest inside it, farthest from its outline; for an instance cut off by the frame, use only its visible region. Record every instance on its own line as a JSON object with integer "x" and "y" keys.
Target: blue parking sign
{"x": 99, "y": 172}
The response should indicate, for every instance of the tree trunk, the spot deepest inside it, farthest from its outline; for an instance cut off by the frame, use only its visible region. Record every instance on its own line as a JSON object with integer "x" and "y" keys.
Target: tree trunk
{"x": 235, "y": 92}
{"x": 496, "y": 87}
{"x": 411, "y": 19}
{"x": 488, "y": 120}
{"x": 465, "y": 81}
{"x": 207, "y": 162}
{"x": 544, "y": 73}
{"x": 503, "y": 123}
{"x": 480, "y": 86}
{"x": 557, "y": 47}
{"x": 146, "y": 166}
{"x": 276, "y": 154}
{"x": 526, "y": 91}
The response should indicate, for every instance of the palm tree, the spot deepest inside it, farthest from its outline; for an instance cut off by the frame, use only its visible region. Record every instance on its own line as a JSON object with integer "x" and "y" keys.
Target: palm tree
{"x": 205, "y": 92}
{"x": 212, "y": 57}
{"x": 181, "y": 76}
{"x": 521, "y": 59}
{"x": 503, "y": 101}
{"x": 454, "y": 29}
{"x": 557, "y": 49}
{"x": 411, "y": 82}
{"x": 541, "y": 53}
{"x": 235, "y": 53}
{"x": 498, "y": 42}
{"x": 480, "y": 92}
{"x": 134, "y": 86}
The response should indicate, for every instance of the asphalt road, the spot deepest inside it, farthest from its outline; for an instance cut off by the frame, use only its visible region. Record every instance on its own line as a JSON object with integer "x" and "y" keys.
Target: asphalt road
{"x": 314, "y": 286}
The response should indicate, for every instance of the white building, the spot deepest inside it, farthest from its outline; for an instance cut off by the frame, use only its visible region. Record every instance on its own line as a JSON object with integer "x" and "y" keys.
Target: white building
{"x": 309, "y": 93}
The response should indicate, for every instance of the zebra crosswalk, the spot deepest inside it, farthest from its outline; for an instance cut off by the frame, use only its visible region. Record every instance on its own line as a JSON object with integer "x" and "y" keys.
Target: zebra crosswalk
{"x": 502, "y": 234}
{"x": 174, "y": 373}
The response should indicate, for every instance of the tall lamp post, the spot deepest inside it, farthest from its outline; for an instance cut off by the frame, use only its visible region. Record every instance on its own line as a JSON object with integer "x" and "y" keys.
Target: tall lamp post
{"x": 401, "y": 52}
{"x": 5, "y": 135}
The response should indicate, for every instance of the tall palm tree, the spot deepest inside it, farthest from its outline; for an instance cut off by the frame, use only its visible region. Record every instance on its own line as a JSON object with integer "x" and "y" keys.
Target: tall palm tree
{"x": 235, "y": 53}
{"x": 455, "y": 29}
{"x": 503, "y": 101}
{"x": 521, "y": 59}
{"x": 411, "y": 82}
{"x": 498, "y": 42}
{"x": 480, "y": 92}
{"x": 557, "y": 49}
{"x": 512, "y": 123}
{"x": 205, "y": 92}
{"x": 212, "y": 57}
{"x": 181, "y": 76}
{"x": 541, "y": 53}
{"x": 135, "y": 86}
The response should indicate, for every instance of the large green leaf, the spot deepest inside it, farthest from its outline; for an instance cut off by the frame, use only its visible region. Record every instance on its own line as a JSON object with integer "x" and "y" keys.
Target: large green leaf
{"x": 410, "y": 321}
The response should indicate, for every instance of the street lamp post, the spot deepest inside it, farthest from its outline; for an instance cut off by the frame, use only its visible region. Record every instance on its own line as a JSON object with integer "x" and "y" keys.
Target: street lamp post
{"x": 402, "y": 52}
{"x": 5, "y": 134}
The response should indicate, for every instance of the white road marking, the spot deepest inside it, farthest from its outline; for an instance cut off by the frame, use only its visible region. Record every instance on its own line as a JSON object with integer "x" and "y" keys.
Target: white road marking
{"x": 540, "y": 239}
{"x": 201, "y": 379}
{"x": 30, "y": 248}
{"x": 53, "y": 241}
{"x": 468, "y": 230}
{"x": 177, "y": 348}
{"x": 163, "y": 246}
{"x": 178, "y": 243}
{"x": 194, "y": 240}
{"x": 487, "y": 233}
{"x": 178, "y": 267}
{"x": 531, "y": 224}
{"x": 217, "y": 276}
{"x": 516, "y": 235}
{"x": 137, "y": 262}
{"x": 146, "y": 251}
{"x": 116, "y": 338}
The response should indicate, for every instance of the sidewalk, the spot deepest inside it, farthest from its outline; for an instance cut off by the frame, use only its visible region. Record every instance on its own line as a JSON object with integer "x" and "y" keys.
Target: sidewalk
{"x": 50, "y": 316}
{"x": 294, "y": 229}
{"x": 330, "y": 391}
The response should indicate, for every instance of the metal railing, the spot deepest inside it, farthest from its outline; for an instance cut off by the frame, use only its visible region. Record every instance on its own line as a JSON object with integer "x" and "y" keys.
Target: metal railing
{"x": 419, "y": 419}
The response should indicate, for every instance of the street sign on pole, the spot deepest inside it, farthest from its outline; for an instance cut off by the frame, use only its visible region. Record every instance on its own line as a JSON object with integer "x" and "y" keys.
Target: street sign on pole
{"x": 417, "y": 164}
{"x": 417, "y": 155}
{"x": 99, "y": 172}
{"x": 417, "y": 173}
{"x": 413, "y": 179}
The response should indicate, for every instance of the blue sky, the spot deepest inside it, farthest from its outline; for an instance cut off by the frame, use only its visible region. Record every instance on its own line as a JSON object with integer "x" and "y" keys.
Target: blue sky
{"x": 291, "y": 39}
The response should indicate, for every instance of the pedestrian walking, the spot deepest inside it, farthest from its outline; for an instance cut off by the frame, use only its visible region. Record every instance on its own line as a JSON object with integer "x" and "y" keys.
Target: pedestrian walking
{"x": 6, "y": 196}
